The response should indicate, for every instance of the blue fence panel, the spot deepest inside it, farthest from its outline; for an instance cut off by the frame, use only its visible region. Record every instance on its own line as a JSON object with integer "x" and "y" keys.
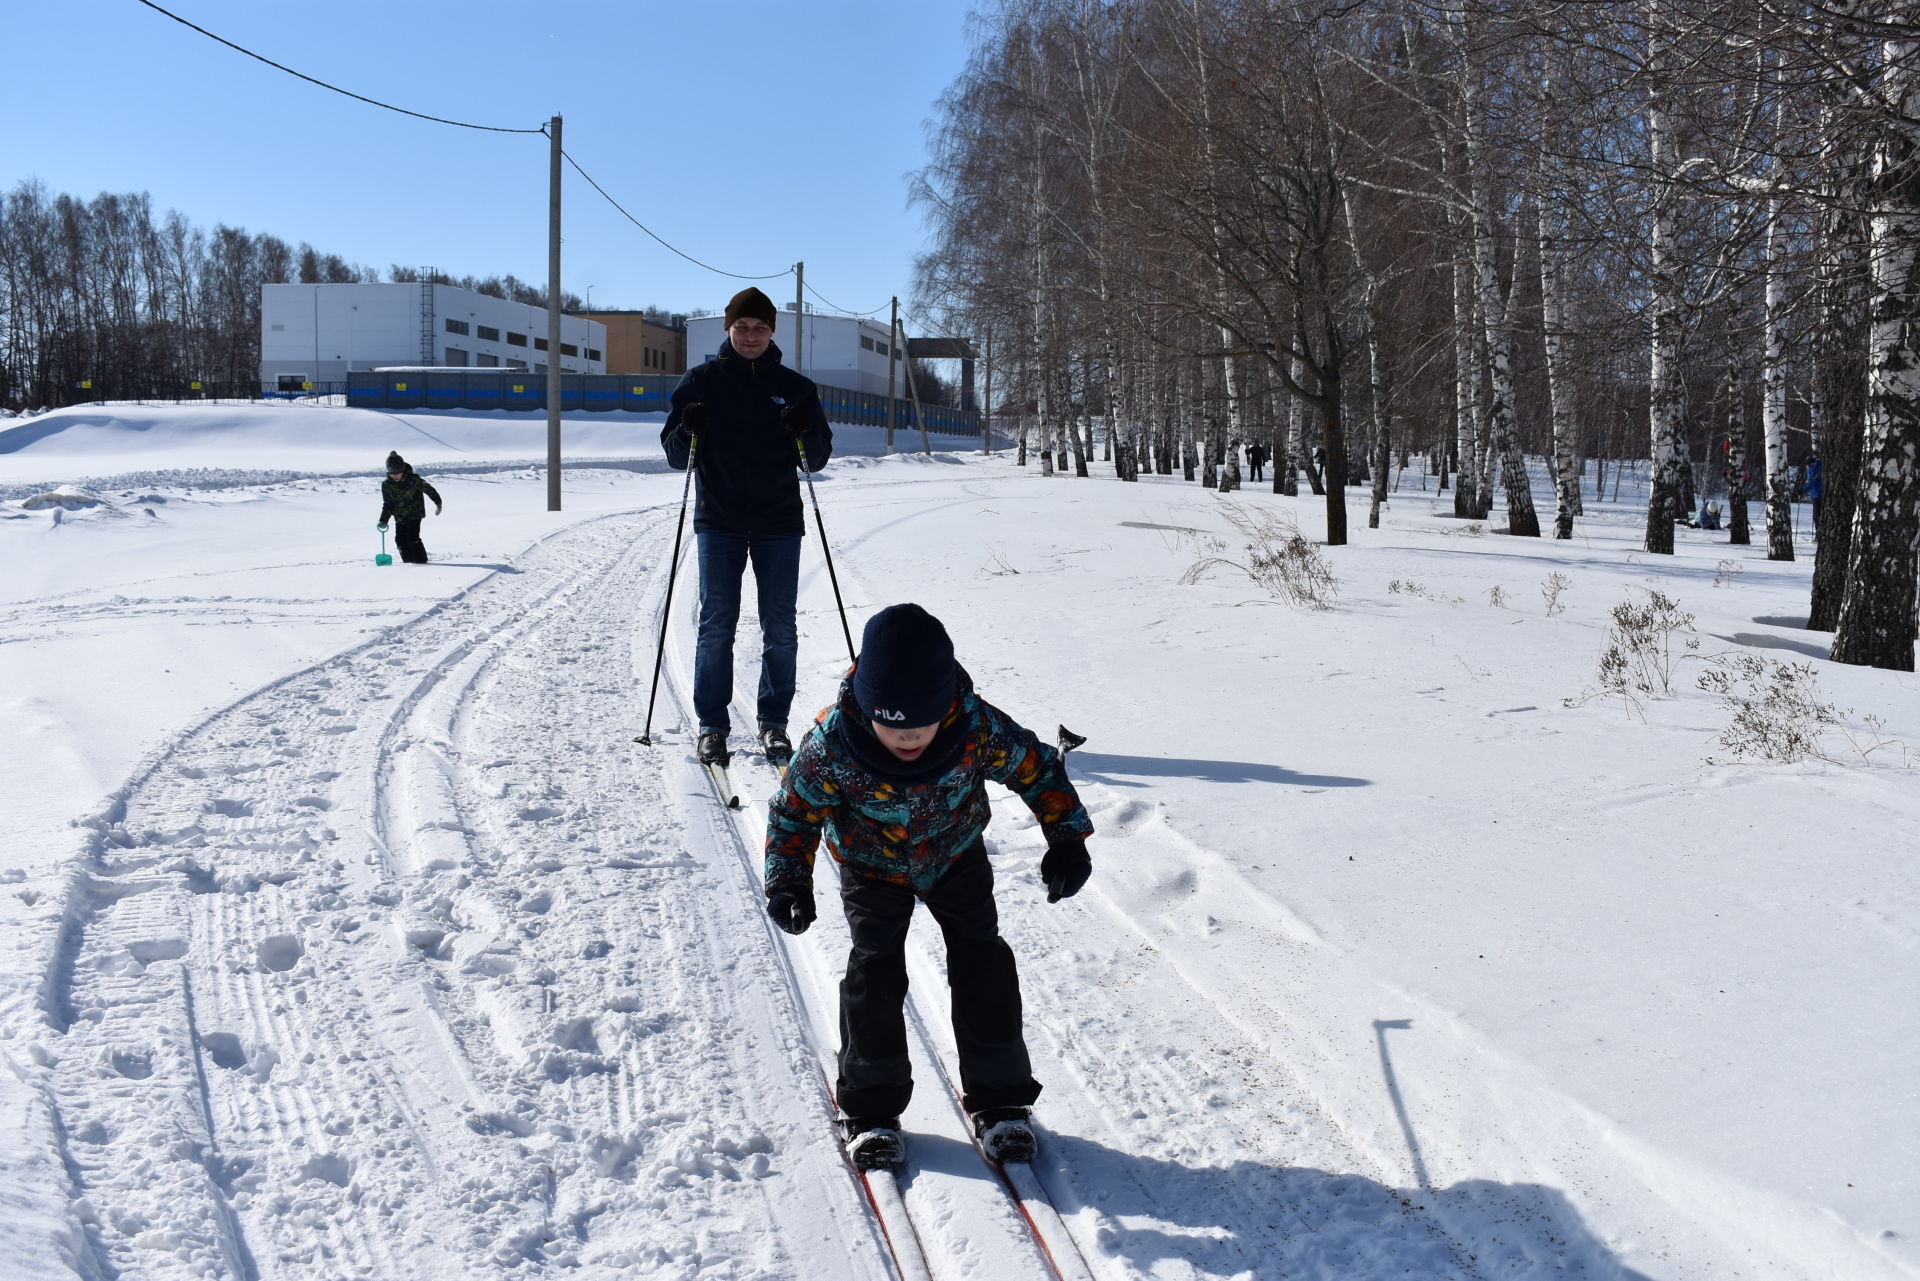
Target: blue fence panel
{"x": 523, "y": 390}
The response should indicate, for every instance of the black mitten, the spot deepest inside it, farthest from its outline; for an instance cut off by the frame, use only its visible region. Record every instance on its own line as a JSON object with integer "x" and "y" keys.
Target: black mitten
{"x": 1065, "y": 868}
{"x": 693, "y": 419}
{"x": 792, "y": 908}
{"x": 795, "y": 419}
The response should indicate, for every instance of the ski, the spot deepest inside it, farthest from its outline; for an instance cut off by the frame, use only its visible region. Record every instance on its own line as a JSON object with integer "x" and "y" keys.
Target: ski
{"x": 896, "y": 1226}
{"x": 1037, "y": 1211}
{"x": 723, "y": 784}
{"x": 716, "y": 774}
{"x": 882, "y": 1191}
{"x": 1035, "y": 1203}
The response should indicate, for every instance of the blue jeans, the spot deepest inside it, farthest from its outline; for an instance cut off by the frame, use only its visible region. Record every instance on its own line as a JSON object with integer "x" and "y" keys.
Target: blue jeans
{"x": 776, "y": 575}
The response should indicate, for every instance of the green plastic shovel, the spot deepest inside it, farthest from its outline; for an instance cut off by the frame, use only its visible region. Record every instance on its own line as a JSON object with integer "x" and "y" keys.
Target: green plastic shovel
{"x": 382, "y": 558}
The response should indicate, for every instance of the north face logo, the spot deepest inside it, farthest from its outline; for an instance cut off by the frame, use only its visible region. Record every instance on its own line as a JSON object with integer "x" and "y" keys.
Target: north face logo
{"x": 779, "y": 400}
{"x": 882, "y": 714}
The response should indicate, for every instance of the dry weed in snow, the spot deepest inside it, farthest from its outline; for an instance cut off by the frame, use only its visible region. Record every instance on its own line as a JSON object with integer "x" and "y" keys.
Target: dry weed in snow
{"x": 1278, "y": 559}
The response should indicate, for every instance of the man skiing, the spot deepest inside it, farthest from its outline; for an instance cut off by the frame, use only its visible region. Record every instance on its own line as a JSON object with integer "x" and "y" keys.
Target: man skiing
{"x": 739, "y": 416}
{"x": 403, "y": 499}
{"x": 893, "y": 775}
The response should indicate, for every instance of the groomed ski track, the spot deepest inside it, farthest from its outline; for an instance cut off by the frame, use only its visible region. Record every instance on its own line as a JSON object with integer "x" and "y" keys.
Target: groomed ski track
{"x": 413, "y": 965}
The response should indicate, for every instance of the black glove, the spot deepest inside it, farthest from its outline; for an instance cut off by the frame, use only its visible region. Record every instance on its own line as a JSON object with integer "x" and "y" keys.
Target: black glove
{"x": 791, "y": 908}
{"x": 795, "y": 420}
{"x": 693, "y": 419}
{"x": 1065, "y": 868}
{"x": 437, "y": 509}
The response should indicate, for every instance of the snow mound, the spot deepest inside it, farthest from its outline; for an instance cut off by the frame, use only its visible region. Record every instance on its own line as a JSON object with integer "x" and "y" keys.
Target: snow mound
{"x": 67, "y": 497}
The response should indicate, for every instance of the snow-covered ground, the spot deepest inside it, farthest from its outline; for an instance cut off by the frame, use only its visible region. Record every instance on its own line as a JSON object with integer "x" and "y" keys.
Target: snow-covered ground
{"x": 346, "y": 932}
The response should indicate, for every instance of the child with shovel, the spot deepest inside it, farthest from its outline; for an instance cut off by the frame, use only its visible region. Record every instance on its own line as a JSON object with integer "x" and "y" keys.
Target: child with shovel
{"x": 403, "y": 498}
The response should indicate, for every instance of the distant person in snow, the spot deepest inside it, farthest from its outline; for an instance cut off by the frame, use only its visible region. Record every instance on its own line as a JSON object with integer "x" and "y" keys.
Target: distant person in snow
{"x": 403, "y": 499}
{"x": 894, "y": 776}
{"x": 739, "y": 415}
{"x": 1256, "y": 459}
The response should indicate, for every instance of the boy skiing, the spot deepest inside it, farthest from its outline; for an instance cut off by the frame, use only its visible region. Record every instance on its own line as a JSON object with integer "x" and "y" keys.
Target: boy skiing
{"x": 893, "y": 775}
{"x": 403, "y": 498}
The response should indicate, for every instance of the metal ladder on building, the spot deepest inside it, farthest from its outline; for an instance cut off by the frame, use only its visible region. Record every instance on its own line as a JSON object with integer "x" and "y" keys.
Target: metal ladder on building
{"x": 427, "y": 336}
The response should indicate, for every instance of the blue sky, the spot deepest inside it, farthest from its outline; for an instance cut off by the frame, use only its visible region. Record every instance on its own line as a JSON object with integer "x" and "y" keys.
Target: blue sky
{"x": 750, "y": 135}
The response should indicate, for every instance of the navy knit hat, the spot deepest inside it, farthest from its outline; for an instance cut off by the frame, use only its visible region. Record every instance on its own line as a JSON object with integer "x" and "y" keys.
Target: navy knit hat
{"x": 906, "y": 676}
{"x": 395, "y": 462}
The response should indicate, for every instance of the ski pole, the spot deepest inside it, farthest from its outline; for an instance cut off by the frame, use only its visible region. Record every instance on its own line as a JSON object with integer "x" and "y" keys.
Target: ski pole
{"x": 673, "y": 567}
{"x": 825, "y": 550}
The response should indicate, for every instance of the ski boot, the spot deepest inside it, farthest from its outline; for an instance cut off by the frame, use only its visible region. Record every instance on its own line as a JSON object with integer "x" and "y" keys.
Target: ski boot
{"x": 1005, "y": 1134}
{"x": 713, "y": 748}
{"x": 874, "y": 1143}
{"x": 777, "y": 747}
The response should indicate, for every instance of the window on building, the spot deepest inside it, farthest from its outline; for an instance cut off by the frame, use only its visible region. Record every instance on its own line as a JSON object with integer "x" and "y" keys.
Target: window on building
{"x": 515, "y": 364}
{"x": 488, "y": 362}
{"x": 516, "y": 340}
{"x": 489, "y": 334}
{"x": 879, "y": 346}
{"x": 457, "y": 327}
{"x": 866, "y": 343}
{"x": 456, "y": 357}
{"x": 539, "y": 344}
{"x": 540, "y": 368}
{"x": 568, "y": 349}
{"x": 593, "y": 353}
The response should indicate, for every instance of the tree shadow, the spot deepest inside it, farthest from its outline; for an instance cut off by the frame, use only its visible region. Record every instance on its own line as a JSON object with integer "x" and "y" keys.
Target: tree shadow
{"x": 1125, "y": 771}
{"x": 1759, "y": 640}
{"x": 1248, "y": 1219}
{"x": 474, "y": 564}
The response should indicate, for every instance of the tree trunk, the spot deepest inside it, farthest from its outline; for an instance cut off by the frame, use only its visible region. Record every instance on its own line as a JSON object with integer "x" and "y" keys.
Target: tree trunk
{"x": 1876, "y": 627}
{"x": 1503, "y": 436}
{"x": 1466, "y": 486}
{"x": 1844, "y": 340}
{"x": 1774, "y": 411}
{"x": 1333, "y": 434}
{"x": 1665, "y": 395}
{"x": 1566, "y": 472}
{"x": 1738, "y": 533}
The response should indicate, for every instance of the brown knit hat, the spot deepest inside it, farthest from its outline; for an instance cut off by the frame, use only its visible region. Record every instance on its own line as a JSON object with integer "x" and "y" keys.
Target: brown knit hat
{"x": 750, "y": 302}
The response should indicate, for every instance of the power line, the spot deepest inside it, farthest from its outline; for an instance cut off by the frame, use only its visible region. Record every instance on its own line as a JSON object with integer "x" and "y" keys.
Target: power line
{"x": 842, "y": 310}
{"x": 636, "y": 222}
{"x": 418, "y": 115}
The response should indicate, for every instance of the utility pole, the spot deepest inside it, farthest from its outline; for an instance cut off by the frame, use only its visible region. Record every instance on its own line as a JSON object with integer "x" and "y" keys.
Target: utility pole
{"x": 553, "y": 318}
{"x": 799, "y": 313}
{"x": 986, "y": 403}
{"x": 893, "y": 350}
{"x": 913, "y": 390}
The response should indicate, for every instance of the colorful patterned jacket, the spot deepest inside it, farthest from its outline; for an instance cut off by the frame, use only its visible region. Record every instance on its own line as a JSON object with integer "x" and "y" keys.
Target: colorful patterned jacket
{"x": 906, "y": 822}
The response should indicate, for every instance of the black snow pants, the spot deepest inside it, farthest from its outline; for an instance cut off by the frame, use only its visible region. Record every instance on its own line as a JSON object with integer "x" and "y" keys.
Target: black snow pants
{"x": 876, "y": 1077}
{"x": 406, "y": 539}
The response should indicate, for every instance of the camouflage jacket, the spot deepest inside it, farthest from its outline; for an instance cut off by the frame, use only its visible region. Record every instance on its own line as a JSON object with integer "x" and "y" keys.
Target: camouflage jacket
{"x": 906, "y": 822}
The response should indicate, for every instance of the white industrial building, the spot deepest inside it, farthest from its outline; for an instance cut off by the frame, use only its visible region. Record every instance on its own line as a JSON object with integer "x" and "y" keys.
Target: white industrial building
{"x": 316, "y": 333}
{"x": 836, "y": 351}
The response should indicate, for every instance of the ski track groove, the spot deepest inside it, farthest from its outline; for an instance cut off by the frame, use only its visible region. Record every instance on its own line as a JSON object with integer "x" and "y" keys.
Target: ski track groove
{"x": 952, "y": 1213}
{"x": 270, "y": 1067}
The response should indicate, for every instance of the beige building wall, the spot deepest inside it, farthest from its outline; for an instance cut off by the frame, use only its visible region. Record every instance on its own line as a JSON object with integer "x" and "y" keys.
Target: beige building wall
{"x": 636, "y": 345}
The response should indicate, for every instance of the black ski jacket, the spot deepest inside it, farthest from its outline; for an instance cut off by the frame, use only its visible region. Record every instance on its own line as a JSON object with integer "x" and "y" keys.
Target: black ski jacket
{"x": 745, "y": 462}
{"x": 406, "y": 498}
